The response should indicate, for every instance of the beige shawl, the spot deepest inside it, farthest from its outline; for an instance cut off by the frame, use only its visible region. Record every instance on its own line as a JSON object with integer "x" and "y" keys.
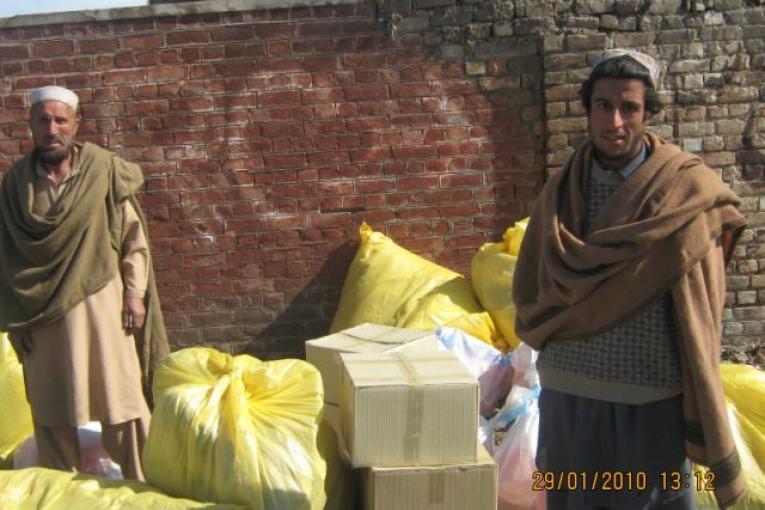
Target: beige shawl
{"x": 662, "y": 230}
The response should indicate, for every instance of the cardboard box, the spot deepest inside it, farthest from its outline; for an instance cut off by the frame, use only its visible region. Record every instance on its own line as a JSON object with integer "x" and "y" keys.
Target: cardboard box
{"x": 324, "y": 352}
{"x": 471, "y": 486}
{"x": 408, "y": 408}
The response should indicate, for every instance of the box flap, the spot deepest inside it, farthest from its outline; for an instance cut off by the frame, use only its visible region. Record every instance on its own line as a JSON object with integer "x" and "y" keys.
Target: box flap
{"x": 406, "y": 368}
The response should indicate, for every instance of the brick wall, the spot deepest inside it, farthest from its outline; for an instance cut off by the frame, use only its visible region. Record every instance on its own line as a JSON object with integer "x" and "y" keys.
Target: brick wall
{"x": 267, "y": 136}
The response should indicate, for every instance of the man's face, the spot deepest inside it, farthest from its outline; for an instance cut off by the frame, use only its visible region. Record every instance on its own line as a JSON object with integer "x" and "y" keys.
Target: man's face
{"x": 617, "y": 120}
{"x": 54, "y": 125}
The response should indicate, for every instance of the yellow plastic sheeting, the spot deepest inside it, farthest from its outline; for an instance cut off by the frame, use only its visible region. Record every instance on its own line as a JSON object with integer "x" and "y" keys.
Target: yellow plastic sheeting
{"x": 492, "y": 270}
{"x": 237, "y": 430}
{"x": 46, "y": 489}
{"x": 15, "y": 414}
{"x": 745, "y": 391}
{"x": 387, "y": 284}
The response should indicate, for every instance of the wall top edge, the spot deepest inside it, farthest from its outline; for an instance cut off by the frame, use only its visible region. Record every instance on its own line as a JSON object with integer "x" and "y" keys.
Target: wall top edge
{"x": 158, "y": 10}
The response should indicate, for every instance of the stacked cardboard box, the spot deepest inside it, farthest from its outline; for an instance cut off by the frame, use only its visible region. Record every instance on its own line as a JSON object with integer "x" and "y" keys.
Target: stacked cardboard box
{"x": 407, "y": 416}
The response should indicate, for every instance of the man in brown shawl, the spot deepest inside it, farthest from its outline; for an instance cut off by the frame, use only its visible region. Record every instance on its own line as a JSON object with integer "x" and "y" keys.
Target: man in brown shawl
{"x": 77, "y": 291}
{"x": 620, "y": 284}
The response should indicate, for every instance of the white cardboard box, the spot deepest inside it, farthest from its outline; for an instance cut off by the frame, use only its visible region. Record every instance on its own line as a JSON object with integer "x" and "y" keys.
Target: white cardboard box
{"x": 324, "y": 352}
{"x": 408, "y": 408}
{"x": 469, "y": 486}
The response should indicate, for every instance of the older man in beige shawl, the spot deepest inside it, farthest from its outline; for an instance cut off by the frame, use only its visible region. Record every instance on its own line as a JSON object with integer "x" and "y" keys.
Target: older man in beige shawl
{"x": 620, "y": 284}
{"x": 77, "y": 291}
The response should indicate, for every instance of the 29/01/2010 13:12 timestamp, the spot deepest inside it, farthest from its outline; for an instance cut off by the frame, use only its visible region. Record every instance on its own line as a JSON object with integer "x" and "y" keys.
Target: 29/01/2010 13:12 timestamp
{"x": 620, "y": 480}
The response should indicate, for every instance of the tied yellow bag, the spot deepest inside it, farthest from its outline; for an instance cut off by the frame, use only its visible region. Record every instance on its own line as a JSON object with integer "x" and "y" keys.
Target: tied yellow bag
{"x": 387, "y": 284}
{"x": 491, "y": 272}
{"x": 46, "y": 489}
{"x": 237, "y": 430}
{"x": 15, "y": 414}
{"x": 744, "y": 387}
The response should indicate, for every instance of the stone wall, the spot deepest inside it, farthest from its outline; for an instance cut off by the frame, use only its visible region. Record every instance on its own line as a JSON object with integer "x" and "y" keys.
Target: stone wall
{"x": 268, "y": 135}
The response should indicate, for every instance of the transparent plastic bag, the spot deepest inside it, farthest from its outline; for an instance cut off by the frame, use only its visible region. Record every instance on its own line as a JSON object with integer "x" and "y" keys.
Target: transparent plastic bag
{"x": 237, "y": 430}
{"x": 493, "y": 369}
{"x": 516, "y": 454}
{"x": 94, "y": 459}
{"x": 515, "y": 459}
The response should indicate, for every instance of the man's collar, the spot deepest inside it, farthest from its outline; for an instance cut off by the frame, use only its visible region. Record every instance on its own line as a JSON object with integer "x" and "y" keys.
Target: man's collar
{"x": 630, "y": 167}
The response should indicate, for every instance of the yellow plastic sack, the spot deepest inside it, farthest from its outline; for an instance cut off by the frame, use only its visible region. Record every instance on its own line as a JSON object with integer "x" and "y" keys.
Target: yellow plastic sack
{"x": 491, "y": 271}
{"x": 15, "y": 414}
{"x": 237, "y": 430}
{"x": 745, "y": 392}
{"x": 46, "y": 489}
{"x": 387, "y": 284}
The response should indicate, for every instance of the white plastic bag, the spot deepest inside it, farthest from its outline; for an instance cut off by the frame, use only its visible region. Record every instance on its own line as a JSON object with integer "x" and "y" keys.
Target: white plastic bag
{"x": 94, "y": 459}
{"x": 492, "y": 368}
{"x": 515, "y": 455}
{"x": 515, "y": 460}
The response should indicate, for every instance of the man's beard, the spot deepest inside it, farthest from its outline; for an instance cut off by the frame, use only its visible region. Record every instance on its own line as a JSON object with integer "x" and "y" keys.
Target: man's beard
{"x": 53, "y": 157}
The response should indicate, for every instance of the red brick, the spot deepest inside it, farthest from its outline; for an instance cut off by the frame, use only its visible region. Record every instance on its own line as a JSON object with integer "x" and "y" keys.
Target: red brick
{"x": 373, "y": 60}
{"x": 191, "y": 104}
{"x": 323, "y": 95}
{"x": 278, "y": 129}
{"x": 118, "y": 77}
{"x": 457, "y": 149}
{"x": 369, "y": 123}
{"x": 143, "y": 42}
{"x": 371, "y": 154}
{"x": 187, "y": 37}
{"x": 233, "y": 33}
{"x": 325, "y": 127}
{"x": 319, "y": 64}
{"x": 278, "y": 98}
{"x": 414, "y": 120}
{"x": 406, "y": 57}
{"x": 357, "y": 92}
{"x": 411, "y": 213}
{"x": 411, "y": 90}
{"x": 406, "y": 152}
{"x": 367, "y": 186}
{"x": 328, "y": 157}
{"x": 14, "y": 52}
{"x": 320, "y": 28}
{"x": 275, "y": 31}
{"x": 12, "y": 69}
{"x": 284, "y": 160}
{"x": 49, "y": 49}
{"x": 147, "y": 58}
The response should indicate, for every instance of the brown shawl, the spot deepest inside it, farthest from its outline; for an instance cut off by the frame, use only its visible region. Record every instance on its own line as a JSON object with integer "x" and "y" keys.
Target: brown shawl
{"x": 662, "y": 230}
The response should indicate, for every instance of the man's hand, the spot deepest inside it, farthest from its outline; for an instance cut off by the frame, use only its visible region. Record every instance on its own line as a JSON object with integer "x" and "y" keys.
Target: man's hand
{"x": 133, "y": 314}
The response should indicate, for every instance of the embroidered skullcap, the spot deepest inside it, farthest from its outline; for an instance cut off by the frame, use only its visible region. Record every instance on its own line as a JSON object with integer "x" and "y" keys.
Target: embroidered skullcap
{"x": 54, "y": 93}
{"x": 647, "y": 61}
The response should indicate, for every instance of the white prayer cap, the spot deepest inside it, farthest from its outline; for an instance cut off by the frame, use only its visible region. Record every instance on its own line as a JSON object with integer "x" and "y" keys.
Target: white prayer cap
{"x": 54, "y": 93}
{"x": 647, "y": 61}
